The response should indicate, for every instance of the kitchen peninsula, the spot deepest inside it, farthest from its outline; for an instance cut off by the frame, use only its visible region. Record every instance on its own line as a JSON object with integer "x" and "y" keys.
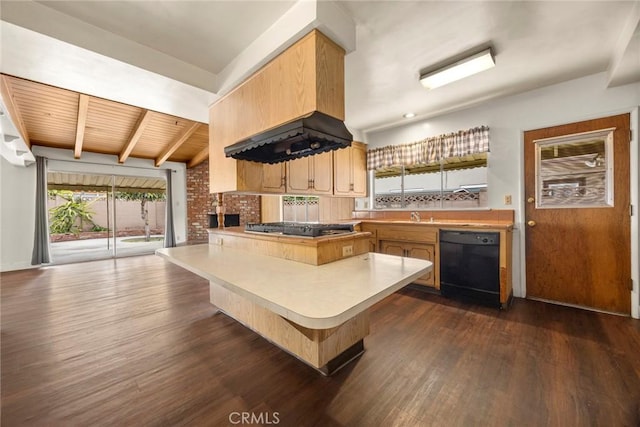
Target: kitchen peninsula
{"x": 318, "y": 313}
{"x": 315, "y": 251}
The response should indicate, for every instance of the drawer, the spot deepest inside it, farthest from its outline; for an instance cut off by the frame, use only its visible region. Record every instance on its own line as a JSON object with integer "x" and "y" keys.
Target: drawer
{"x": 416, "y": 233}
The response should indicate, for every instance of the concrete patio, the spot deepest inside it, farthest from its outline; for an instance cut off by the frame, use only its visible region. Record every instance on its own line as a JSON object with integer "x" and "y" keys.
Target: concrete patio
{"x": 94, "y": 249}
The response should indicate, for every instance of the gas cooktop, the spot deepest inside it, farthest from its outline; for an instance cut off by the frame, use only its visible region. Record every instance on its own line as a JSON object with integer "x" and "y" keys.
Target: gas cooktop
{"x": 300, "y": 228}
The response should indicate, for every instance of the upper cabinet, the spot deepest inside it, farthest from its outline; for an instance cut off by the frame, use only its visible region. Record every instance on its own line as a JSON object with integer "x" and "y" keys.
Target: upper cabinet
{"x": 307, "y": 77}
{"x": 274, "y": 178}
{"x": 339, "y": 173}
{"x": 350, "y": 171}
{"x": 310, "y": 175}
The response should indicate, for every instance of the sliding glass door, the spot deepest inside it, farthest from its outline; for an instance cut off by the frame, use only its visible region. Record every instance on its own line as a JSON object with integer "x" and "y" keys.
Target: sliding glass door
{"x": 104, "y": 216}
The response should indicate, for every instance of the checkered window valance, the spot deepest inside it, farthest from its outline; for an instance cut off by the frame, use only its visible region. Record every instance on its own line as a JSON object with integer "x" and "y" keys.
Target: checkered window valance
{"x": 430, "y": 150}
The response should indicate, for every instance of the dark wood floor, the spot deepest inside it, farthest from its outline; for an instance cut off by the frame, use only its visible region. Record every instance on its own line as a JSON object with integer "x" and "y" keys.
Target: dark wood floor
{"x": 135, "y": 342}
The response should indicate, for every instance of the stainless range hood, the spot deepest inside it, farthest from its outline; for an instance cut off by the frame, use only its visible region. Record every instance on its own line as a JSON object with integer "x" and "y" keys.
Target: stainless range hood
{"x": 309, "y": 135}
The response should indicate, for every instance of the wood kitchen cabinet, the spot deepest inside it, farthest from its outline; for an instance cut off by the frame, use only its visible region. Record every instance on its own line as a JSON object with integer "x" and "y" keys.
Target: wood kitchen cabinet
{"x": 307, "y": 77}
{"x": 413, "y": 250}
{"x": 335, "y": 209}
{"x": 409, "y": 241}
{"x": 310, "y": 175}
{"x": 373, "y": 240}
{"x": 421, "y": 240}
{"x": 350, "y": 171}
{"x": 274, "y": 178}
{"x": 329, "y": 173}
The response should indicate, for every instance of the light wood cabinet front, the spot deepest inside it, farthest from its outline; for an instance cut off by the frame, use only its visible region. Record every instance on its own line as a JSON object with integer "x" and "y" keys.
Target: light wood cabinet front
{"x": 350, "y": 170}
{"x": 273, "y": 178}
{"x": 334, "y": 209}
{"x": 412, "y": 250}
{"x": 359, "y": 169}
{"x": 299, "y": 175}
{"x": 322, "y": 179}
{"x": 373, "y": 240}
{"x": 427, "y": 252}
{"x": 307, "y": 77}
{"x": 310, "y": 175}
{"x": 393, "y": 248}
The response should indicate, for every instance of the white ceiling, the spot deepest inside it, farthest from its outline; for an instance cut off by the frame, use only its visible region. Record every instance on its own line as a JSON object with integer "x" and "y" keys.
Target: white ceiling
{"x": 536, "y": 44}
{"x": 207, "y": 34}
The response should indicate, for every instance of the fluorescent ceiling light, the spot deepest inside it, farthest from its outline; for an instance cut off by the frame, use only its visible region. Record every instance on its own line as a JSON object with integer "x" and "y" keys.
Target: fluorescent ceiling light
{"x": 458, "y": 70}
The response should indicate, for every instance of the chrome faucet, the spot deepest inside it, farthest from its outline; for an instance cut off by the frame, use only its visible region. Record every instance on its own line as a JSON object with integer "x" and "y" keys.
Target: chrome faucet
{"x": 415, "y": 216}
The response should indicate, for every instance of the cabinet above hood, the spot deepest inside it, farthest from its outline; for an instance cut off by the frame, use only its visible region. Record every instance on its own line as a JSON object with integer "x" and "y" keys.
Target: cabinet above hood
{"x": 292, "y": 107}
{"x": 306, "y": 136}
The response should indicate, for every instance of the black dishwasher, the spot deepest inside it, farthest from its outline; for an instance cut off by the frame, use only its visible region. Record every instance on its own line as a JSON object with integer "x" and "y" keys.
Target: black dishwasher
{"x": 470, "y": 266}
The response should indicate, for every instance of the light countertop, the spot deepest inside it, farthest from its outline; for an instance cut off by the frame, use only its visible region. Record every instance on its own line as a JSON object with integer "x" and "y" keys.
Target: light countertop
{"x": 451, "y": 224}
{"x": 316, "y": 297}
{"x": 300, "y": 240}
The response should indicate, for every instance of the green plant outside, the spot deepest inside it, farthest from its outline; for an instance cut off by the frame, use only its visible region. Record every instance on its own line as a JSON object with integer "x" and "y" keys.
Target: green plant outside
{"x": 64, "y": 218}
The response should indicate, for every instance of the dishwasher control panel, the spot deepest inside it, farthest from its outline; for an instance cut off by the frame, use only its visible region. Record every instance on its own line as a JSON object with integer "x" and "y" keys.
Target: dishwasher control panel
{"x": 470, "y": 237}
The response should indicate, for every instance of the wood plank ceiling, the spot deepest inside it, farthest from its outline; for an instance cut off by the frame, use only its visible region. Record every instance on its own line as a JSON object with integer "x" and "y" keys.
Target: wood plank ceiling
{"x": 53, "y": 117}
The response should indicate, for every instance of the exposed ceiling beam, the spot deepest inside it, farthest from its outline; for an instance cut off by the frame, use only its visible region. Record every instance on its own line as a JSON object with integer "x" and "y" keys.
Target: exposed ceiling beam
{"x": 138, "y": 130}
{"x": 13, "y": 111}
{"x": 83, "y": 108}
{"x": 199, "y": 158}
{"x": 188, "y": 131}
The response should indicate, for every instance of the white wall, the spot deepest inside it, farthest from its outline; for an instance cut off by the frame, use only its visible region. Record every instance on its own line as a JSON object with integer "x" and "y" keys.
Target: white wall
{"x": 508, "y": 118}
{"x": 44, "y": 59}
{"x": 17, "y": 200}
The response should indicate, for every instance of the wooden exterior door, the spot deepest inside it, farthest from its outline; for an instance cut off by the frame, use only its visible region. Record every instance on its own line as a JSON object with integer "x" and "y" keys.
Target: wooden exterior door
{"x": 578, "y": 226}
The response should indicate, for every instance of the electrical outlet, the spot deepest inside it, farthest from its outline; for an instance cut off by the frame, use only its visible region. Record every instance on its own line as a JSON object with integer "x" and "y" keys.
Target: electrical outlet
{"x": 347, "y": 250}
{"x": 507, "y": 199}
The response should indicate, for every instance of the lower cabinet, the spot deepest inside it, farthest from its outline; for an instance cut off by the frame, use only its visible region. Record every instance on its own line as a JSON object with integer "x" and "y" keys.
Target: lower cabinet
{"x": 413, "y": 250}
{"x": 422, "y": 241}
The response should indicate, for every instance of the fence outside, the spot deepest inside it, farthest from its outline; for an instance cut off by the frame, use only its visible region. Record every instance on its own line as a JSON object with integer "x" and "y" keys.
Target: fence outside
{"x": 128, "y": 214}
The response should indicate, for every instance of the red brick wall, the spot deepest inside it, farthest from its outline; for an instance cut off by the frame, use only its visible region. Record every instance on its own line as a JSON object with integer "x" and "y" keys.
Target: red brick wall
{"x": 200, "y": 203}
{"x": 247, "y": 206}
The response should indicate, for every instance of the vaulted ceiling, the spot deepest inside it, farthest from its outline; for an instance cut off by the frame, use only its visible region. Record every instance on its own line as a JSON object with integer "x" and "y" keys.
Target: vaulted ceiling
{"x": 54, "y": 117}
{"x": 209, "y": 46}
